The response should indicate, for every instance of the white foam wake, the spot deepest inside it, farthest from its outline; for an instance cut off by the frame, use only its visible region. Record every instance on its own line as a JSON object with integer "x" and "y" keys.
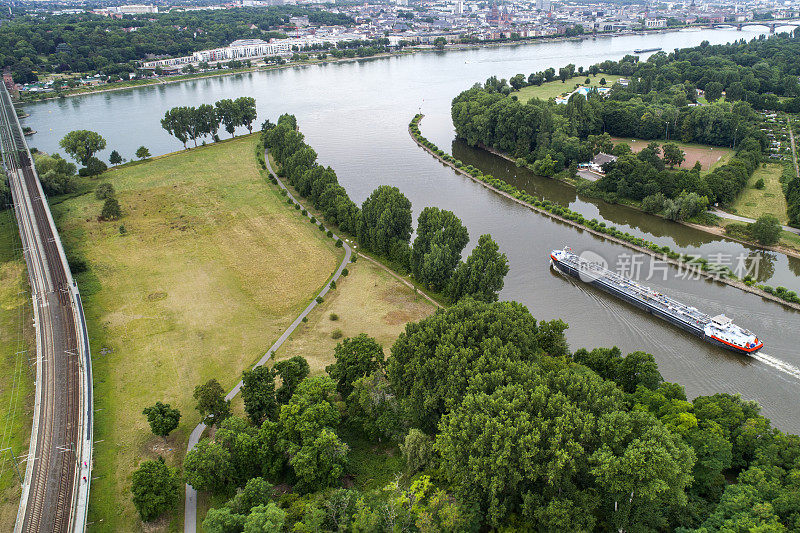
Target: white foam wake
{"x": 783, "y": 366}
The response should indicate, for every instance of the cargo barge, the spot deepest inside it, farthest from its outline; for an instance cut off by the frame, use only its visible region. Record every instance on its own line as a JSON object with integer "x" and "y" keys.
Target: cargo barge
{"x": 718, "y": 330}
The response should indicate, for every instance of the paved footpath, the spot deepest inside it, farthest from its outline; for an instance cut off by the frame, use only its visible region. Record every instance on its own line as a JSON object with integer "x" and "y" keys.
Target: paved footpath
{"x": 190, "y": 508}
{"x": 731, "y": 216}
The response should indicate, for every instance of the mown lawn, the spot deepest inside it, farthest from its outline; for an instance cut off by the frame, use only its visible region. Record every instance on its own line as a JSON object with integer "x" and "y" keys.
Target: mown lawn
{"x": 552, "y": 89}
{"x": 17, "y": 376}
{"x": 754, "y": 202}
{"x": 209, "y": 271}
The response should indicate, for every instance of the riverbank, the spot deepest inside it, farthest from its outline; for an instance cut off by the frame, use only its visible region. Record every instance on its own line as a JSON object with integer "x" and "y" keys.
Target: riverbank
{"x": 718, "y": 231}
{"x": 697, "y": 266}
{"x": 134, "y": 84}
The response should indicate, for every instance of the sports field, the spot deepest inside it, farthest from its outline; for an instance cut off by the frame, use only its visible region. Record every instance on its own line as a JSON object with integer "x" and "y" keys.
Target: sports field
{"x": 709, "y": 156}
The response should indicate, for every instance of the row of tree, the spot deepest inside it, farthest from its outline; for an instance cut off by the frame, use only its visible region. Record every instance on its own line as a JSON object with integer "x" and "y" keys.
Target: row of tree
{"x": 383, "y": 224}
{"x": 500, "y": 426}
{"x": 192, "y": 123}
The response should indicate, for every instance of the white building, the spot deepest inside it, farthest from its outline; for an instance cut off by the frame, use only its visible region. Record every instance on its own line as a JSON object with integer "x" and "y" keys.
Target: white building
{"x": 240, "y": 50}
{"x": 135, "y": 9}
{"x": 655, "y": 23}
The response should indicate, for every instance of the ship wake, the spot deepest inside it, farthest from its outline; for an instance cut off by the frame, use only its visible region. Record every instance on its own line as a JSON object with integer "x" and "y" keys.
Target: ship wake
{"x": 776, "y": 363}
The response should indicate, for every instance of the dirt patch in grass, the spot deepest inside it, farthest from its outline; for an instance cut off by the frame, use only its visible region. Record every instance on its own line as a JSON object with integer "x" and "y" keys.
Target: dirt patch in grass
{"x": 369, "y": 301}
{"x": 709, "y": 156}
{"x": 213, "y": 267}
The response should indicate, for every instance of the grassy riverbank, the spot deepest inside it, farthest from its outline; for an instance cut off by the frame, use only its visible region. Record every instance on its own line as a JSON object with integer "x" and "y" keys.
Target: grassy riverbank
{"x": 17, "y": 378}
{"x": 210, "y": 270}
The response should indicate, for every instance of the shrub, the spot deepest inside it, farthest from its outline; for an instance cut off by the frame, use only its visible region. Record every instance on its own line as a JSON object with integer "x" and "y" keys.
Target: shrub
{"x": 297, "y": 207}
{"x": 336, "y": 334}
{"x": 319, "y": 299}
{"x": 93, "y": 167}
{"x": 339, "y": 243}
{"x": 329, "y": 233}
{"x": 304, "y": 212}
{"x": 759, "y": 184}
{"x": 103, "y": 191}
{"x": 345, "y": 272}
{"x": 111, "y": 209}
{"x": 333, "y": 285}
{"x": 417, "y": 450}
{"x": 766, "y": 230}
{"x": 334, "y": 317}
{"x": 313, "y": 220}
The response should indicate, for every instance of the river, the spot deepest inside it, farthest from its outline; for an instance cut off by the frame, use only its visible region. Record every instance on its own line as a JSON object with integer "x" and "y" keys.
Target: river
{"x": 355, "y": 114}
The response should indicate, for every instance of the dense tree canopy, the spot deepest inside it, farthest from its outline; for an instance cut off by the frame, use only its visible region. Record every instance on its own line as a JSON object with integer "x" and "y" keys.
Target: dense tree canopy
{"x": 355, "y": 358}
{"x": 437, "y": 247}
{"x": 482, "y": 275}
{"x": 162, "y": 418}
{"x": 385, "y": 224}
{"x": 156, "y": 489}
{"x": 508, "y": 430}
{"x": 82, "y": 145}
{"x": 55, "y": 173}
{"x": 87, "y": 42}
{"x": 211, "y": 402}
{"x": 436, "y": 361}
{"x": 258, "y": 393}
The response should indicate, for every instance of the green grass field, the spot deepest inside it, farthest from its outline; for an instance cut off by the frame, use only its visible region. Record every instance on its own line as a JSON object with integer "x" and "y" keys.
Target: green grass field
{"x": 555, "y": 88}
{"x": 16, "y": 379}
{"x": 756, "y": 202}
{"x": 212, "y": 267}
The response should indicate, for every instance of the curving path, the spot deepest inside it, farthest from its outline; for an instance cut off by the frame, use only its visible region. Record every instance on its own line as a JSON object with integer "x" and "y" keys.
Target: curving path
{"x": 190, "y": 507}
{"x": 731, "y": 216}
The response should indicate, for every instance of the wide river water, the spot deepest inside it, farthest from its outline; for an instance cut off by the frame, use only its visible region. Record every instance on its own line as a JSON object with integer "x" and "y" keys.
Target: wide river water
{"x": 355, "y": 115}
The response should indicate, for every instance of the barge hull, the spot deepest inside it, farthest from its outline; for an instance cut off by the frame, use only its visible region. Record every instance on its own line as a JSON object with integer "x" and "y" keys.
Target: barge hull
{"x": 653, "y": 310}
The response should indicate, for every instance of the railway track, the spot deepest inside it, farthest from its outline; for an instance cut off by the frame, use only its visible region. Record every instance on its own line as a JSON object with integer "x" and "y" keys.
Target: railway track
{"x": 55, "y": 492}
